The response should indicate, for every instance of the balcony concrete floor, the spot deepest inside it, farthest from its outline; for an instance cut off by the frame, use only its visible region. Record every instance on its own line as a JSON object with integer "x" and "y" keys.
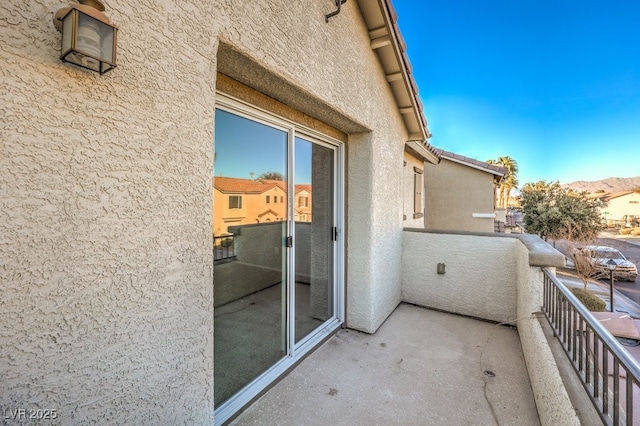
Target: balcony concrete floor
{"x": 421, "y": 367}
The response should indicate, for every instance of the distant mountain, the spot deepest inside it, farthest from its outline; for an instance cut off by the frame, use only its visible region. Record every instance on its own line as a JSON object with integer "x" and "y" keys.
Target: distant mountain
{"x": 606, "y": 185}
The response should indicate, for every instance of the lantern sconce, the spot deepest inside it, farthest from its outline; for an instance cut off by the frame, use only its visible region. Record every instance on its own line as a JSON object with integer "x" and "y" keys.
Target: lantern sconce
{"x": 88, "y": 36}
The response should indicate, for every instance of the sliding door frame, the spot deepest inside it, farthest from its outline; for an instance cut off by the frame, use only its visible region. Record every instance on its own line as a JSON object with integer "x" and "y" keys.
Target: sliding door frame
{"x": 294, "y": 351}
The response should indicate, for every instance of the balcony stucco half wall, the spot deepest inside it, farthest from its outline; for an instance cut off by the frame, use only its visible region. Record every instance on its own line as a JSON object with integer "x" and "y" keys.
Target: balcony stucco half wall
{"x": 494, "y": 277}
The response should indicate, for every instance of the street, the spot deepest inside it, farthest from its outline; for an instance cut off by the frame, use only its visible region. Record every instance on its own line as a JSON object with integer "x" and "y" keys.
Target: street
{"x": 630, "y": 248}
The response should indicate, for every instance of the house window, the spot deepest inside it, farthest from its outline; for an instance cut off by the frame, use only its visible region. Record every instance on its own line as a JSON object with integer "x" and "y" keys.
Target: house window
{"x": 235, "y": 201}
{"x": 418, "y": 185}
{"x": 268, "y": 199}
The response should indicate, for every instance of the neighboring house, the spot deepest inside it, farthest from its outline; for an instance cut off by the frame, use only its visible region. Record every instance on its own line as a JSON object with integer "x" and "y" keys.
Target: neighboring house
{"x": 460, "y": 193}
{"x": 245, "y": 201}
{"x": 416, "y": 155}
{"x": 303, "y": 203}
{"x": 620, "y": 206}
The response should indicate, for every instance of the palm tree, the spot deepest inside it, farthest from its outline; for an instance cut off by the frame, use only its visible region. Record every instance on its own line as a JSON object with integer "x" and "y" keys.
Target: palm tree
{"x": 509, "y": 181}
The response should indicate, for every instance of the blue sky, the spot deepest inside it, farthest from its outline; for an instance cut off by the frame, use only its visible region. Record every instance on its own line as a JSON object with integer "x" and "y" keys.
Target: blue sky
{"x": 553, "y": 84}
{"x": 246, "y": 149}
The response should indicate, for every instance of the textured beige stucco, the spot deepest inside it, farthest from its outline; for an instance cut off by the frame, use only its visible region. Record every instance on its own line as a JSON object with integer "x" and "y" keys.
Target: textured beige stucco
{"x": 481, "y": 273}
{"x": 491, "y": 278}
{"x": 328, "y": 71}
{"x": 105, "y": 247}
{"x": 552, "y": 400}
{"x": 106, "y": 271}
{"x": 454, "y": 192}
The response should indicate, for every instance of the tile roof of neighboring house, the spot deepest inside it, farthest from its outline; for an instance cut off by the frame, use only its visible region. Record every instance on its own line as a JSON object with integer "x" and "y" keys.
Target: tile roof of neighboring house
{"x": 248, "y": 186}
{"x": 245, "y": 186}
{"x": 612, "y": 195}
{"x": 279, "y": 183}
{"x": 477, "y": 164}
{"x": 271, "y": 212}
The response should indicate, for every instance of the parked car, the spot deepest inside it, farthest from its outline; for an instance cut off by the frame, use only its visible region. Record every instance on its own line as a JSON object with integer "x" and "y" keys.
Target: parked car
{"x": 625, "y": 269}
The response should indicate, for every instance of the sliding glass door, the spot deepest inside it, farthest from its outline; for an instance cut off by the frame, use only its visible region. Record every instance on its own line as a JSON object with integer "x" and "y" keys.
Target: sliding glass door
{"x": 314, "y": 219}
{"x": 250, "y": 211}
{"x": 276, "y": 232}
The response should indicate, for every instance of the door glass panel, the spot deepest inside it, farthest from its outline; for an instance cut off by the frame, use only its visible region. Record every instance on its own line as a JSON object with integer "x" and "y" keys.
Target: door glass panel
{"x": 313, "y": 205}
{"x": 249, "y": 226}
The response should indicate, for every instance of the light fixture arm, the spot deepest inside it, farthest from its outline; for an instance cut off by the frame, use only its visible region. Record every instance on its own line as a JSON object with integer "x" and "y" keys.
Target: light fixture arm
{"x": 339, "y": 4}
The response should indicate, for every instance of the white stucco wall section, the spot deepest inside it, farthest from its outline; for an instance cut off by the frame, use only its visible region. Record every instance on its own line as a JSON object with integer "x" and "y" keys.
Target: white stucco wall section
{"x": 329, "y": 71}
{"x": 480, "y": 274}
{"x": 496, "y": 278}
{"x": 106, "y": 232}
{"x": 105, "y": 270}
{"x": 552, "y": 399}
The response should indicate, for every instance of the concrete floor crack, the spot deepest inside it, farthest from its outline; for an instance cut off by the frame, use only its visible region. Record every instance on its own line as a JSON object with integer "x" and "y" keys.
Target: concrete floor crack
{"x": 486, "y": 376}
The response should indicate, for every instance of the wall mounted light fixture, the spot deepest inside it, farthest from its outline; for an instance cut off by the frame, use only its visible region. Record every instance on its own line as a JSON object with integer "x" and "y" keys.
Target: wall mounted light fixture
{"x": 88, "y": 36}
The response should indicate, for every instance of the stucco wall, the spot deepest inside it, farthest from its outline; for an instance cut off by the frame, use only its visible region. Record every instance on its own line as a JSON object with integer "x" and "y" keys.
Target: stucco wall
{"x": 106, "y": 253}
{"x": 318, "y": 68}
{"x": 481, "y": 273}
{"x": 552, "y": 400}
{"x": 497, "y": 278}
{"x": 106, "y": 269}
{"x": 453, "y": 193}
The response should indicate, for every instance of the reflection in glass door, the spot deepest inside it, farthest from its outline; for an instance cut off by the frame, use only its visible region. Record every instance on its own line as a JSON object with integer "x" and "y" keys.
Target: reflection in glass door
{"x": 249, "y": 226}
{"x": 275, "y": 231}
{"x": 314, "y": 222}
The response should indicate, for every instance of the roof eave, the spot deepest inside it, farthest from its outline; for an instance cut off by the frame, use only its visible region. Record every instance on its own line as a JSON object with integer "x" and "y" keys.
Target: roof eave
{"x": 419, "y": 150}
{"x": 387, "y": 42}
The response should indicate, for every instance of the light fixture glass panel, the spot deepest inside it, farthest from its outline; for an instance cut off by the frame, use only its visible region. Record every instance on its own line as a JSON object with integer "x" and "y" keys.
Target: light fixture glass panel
{"x": 89, "y": 39}
{"x": 107, "y": 44}
{"x": 67, "y": 32}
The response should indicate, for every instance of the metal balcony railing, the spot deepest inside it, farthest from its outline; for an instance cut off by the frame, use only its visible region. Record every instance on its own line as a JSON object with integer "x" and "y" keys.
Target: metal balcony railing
{"x": 610, "y": 375}
{"x": 223, "y": 247}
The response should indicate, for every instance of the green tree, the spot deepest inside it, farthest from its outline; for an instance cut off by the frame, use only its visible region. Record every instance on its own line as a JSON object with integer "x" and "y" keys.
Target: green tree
{"x": 551, "y": 211}
{"x": 509, "y": 181}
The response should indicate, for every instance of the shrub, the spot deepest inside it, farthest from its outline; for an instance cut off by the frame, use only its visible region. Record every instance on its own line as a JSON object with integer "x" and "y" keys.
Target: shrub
{"x": 635, "y": 232}
{"x": 625, "y": 231}
{"x": 590, "y": 301}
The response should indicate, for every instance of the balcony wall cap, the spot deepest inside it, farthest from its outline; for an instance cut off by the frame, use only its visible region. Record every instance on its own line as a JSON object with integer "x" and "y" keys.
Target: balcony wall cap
{"x": 541, "y": 253}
